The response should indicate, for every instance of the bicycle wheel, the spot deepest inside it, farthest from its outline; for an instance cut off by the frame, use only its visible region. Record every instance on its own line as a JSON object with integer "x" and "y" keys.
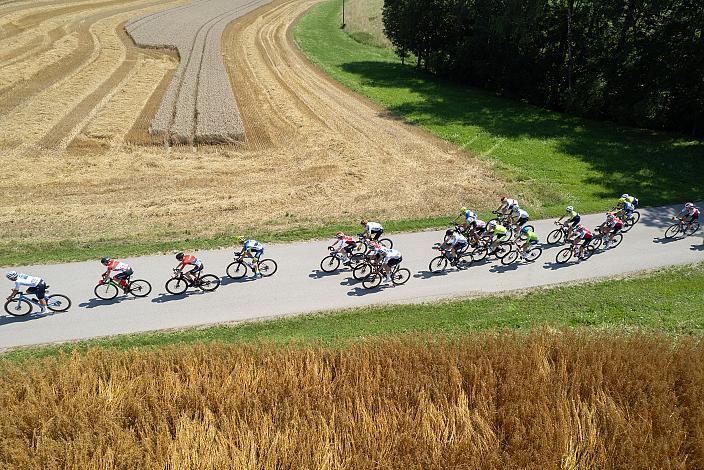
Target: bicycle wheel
{"x": 356, "y": 259}
{"x": 236, "y": 270}
{"x": 209, "y": 282}
{"x": 361, "y": 247}
{"x": 596, "y": 242}
{"x": 361, "y": 271}
{"x": 510, "y": 257}
{"x": 437, "y": 264}
{"x": 672, "y": 231}
{"x": 480, "y": 251}
{"x": 502, "y": 250}
{"x": 693, "y": 227}
{"x": 58, "y": 303}
{"x": 140, "y": 288}
{"x": 555, "y": 236}
{"x": 330, "y": 264}
{"x": 387, "y": 243}
{"x": 400, "y": 276}
{"x": 176, "y": 286}
{"x": 533, "y": 254}
{"x": 18, "y": 308}
{"x": 627, "y": 225}
{"x": 635, "y": 217}
{"x": 267, "y": 267}
{"x": 105, "y": 291}
{"x": 618, "y": 238}
{"x": 372, "y": 281}
{"x": 564, "y": 256}
{"x": 530, "y": 227}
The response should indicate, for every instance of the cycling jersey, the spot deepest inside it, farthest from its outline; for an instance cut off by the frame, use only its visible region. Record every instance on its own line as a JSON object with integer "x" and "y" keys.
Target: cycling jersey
{"x": 25, "y": 280}
{"x": 457, "y": 238}
{"x": 190, "y": 260}
{"x": 531, "y": 236}
{"x": 572, "y": 215}
{"x": 584, "y": 234}
{"x": 479, "y": 225}
{"x": 390, "y": 253}
{"x": 469, "y": 216}
{"x": 615, "y": 224}
{"x": 520, "y": 214}
{"x": 499, "y": 230}
{"x": 373, "y": 227}
{"x": 692, "y": 213}
{"x": 628, "y": 207}
{"x": 117, "y": 267}
{"x": 253, "y": 245}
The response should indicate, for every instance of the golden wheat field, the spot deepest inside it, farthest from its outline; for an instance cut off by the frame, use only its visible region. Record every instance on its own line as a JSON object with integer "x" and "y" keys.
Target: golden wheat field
{"x": 547, "y": 400}
{"x": 78, "y": 99}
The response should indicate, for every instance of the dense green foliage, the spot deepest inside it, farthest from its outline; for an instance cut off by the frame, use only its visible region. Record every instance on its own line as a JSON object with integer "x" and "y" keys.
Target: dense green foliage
{"x": 667, "y": 300}
{"x": 636, "y": 62}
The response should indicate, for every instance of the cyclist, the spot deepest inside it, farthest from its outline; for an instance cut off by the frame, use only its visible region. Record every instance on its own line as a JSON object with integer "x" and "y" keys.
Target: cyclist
{"x": 35, "y": 285}
{"x": 477, "y": 229}
{"x": 345, "y": 248}
{"x": 628, "y": 198}
{"x": 121, "y": 272}
{"x": 189, "y": 260}
{"x": 391, "y": 258}
{"x": 506, "y": 203}
{"x": 469, "y": 217}
{"x": 518, "y": 217}
{"x": 251, "y": 249}
{"x": 572, "y": 218}
{"x": 499, "y": 233}
{"x": 612, "y": 226}
{"x": 625, "y": 207}
{"x": 689, "y": 214}
{"x": 456, "y": 242}
{"x": 531, "y": 238}
{"x": 585, "y": 236}
{"x": 372, "y": 230}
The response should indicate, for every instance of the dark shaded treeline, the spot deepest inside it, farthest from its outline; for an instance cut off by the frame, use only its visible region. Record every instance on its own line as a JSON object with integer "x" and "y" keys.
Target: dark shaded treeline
{"x": 639, "y": 62}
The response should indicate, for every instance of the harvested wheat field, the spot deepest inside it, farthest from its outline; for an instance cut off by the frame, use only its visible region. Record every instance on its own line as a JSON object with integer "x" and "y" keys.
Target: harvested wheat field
{"x": 546, "y": 400}
{"x": 85, "y": 113}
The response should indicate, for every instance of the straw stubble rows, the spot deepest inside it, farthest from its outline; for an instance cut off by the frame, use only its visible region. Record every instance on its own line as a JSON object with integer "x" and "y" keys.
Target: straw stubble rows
{"x": 313, "y": 153}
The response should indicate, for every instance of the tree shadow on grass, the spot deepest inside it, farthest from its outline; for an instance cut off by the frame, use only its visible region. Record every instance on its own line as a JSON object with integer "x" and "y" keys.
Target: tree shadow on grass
{"x": 657, "y": 167}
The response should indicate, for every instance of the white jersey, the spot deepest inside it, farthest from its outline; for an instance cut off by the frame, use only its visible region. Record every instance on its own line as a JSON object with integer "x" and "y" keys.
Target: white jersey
{"x": 372, "y": 226}
{"x": 390, "y": 253}
{"x": 520, "y": 213}
{"x": 24, "y": 280}
{"x": 456, "y": 238}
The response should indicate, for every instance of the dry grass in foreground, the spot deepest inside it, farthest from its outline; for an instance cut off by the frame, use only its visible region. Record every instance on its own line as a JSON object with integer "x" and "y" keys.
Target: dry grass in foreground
{"x": 546, "y": 400}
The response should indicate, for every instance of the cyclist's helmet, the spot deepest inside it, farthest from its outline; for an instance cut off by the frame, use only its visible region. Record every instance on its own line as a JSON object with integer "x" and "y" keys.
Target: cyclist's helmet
{"x": 449, "y": 232}
{"x": 491, "y": 225}
{"x": 503, "y": 198}
{"x": 689, "y": 205}
{"x": 11, "y": 275}
{"x": 364, "y": 222}
{"x": 525, "y": 230}
{"x": 513, "y": 206}
{"x": 179, "y": 256}
{"x": 569, "y": 209}
{"x": 104, "y": 261}
{"x": 624, "y": 196}
{"x": 339, "y": 235}
{"x": 240, "y": 239}
{"x": 463, "y": 210}
{"x": 610, "y": 216}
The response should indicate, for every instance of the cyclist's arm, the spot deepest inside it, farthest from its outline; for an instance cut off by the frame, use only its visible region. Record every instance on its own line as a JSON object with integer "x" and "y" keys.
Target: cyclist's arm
{"x": 180, "y": 266}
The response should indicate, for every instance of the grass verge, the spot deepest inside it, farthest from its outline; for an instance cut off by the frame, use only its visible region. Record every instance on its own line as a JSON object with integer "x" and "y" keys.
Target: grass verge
{"x": 668, "y": 300}
{"x": 550, "y": 159}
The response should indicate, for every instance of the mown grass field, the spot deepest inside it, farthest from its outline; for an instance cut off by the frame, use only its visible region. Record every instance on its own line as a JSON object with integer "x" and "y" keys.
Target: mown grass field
{"x": 666, "y": 300}
{"x": 544, "y": 400}
{"x": 549, "y": 159}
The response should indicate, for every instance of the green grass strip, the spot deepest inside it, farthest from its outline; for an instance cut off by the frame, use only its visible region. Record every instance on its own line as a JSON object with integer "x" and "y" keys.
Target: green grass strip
{"x": 668, "y": 300}
{"x": 548, "y": 158}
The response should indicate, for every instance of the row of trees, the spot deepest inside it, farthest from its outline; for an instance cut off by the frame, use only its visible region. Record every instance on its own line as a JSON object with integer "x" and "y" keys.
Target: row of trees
{"x": 639, "y": 62}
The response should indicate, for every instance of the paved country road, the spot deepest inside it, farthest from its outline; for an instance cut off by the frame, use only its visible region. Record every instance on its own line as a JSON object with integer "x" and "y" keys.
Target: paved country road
{"x": 298, "y": 286}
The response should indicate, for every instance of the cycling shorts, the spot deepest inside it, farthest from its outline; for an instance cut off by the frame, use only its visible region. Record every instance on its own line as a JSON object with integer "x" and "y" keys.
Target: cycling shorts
{"x": 691, "y": 218}
{"x": 394, "y": 261}
{"x": 198, "y": 267}
{"x": 124, "y": 274}
{"x": 587, "y": 241}
{"x": 575, "y": 221}
{"x": 459, "y": 245}
{"x": 376, "y": 233}
{"x": 617, "y": 229}
{"x": 39, "y": 291}
{"x": 348, "y": 248}
{"x": 501, "y": 236}
{"x": 522, "y": 221}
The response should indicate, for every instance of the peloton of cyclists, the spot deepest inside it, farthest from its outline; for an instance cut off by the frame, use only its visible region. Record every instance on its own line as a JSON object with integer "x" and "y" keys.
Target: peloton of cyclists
{"x": 34, "y": 285}
{"x": 120, "y": 272}
{"x": 189, "y": 260}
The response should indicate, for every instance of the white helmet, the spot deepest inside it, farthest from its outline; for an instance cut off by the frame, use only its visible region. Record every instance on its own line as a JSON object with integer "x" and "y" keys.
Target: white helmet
{"x": 689, "y": 205}
{"x": 491, "y": 225}
{"x": 569, "y": 209}
{"x": 11, "y": 275}
{"x": 625, "y": 196}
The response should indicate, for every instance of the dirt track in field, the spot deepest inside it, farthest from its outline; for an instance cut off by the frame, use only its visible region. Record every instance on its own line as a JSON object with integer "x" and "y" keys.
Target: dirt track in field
{"x": 314, "y": 152}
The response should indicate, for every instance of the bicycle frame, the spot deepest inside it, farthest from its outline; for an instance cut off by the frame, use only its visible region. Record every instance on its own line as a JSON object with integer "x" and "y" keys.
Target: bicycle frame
{"x": 20, "y": 296}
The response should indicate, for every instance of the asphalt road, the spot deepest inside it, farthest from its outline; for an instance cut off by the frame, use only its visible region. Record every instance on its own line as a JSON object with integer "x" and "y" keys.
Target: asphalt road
{"x": 299, "y": 286}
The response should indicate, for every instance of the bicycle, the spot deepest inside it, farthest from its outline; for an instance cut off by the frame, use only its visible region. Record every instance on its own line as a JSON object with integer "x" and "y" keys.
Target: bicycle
{"x": 362, "y": 245}
{"x": 23, "y": 304}
{"x": 331, "y": 263}
{"x": 601, "y": 239}
{"x": 559, "y": 234}
{"x": 439, "y": 263}
{"x": 108, "y": 288}
{"x": 178, "y": 284}
{"x": 238, "y": 268}
{"x": 533, "y": 253}
{"x": 679, "y": 226}
{"x": 566, "y": 254}
{"x": 399, "y": 276}
{"x": 628, "y": 222}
